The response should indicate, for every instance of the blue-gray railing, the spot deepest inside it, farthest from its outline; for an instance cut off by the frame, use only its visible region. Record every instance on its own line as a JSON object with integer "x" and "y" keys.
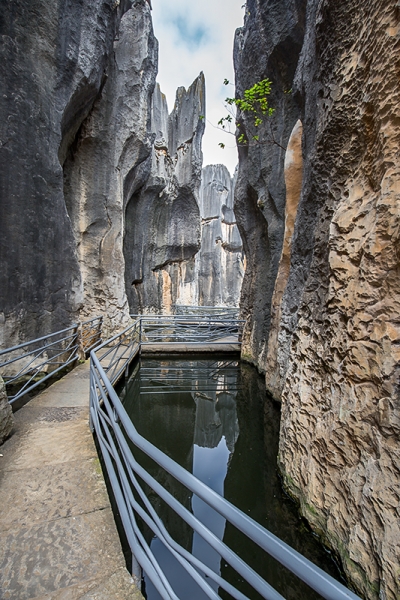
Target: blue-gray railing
{"x": 26, "y": 366}
{"x": 207, "y": 330}
{"x": 206, "y": 311}
{"x": 116, "y": 434}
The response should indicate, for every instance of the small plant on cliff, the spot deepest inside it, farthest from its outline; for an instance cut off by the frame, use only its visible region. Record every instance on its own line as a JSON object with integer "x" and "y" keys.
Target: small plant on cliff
{"x": 254, "y": 103}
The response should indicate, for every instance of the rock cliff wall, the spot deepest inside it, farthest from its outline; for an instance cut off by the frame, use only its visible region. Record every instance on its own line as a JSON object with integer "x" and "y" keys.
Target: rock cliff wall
{"x": 59, "y": 65}
{"x": 107, "y": 162}
{"x": 268, "y": 45}
{"x": 327, "y": 333}
{"x": 181, "y": 244}
{"x": 100, "y": 209}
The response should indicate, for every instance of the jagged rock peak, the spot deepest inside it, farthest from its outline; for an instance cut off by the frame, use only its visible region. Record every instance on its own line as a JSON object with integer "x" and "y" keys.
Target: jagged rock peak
{"x": 186, "y": 120}
{"x": 162, "y": 233}
{"x": 77, "y": 79}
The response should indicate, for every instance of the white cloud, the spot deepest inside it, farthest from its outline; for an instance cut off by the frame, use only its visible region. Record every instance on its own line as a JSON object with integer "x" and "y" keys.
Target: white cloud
{"x": 194, "y": 37}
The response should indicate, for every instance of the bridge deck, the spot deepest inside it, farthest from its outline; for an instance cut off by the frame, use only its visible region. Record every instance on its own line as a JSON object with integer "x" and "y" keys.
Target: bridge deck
{"x": 58, "y": 539}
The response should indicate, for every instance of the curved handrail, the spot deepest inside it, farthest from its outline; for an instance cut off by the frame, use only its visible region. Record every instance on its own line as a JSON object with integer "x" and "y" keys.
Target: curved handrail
{"x": 113, "y": 427}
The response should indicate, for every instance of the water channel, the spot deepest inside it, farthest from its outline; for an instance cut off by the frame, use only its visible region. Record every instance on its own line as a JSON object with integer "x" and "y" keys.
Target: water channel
{"x": 213, "y": 417}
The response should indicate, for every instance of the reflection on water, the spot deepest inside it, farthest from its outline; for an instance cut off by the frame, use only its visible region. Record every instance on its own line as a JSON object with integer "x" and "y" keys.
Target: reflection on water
{"x": 214, "y": 419}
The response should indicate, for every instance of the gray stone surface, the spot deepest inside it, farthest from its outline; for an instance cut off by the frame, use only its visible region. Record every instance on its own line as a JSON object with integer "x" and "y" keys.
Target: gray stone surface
{"x": 162, "y": 225}
{"x": 268, "y": 45}
{"x": 61, "y": 64}
{"x": 58, "y": 538}
{"x": 220, "y": 262}
{"x": 109, "y": 160}
{"x": 104, "y": 214}
{"x": 339, "y": 331}
{"x": 6, "y": 416}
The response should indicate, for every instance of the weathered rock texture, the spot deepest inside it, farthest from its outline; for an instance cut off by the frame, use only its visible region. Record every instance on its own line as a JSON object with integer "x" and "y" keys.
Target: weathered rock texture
{"x": 6, "y": 416}
{"x": 335, "y": 353}
{"x": 107, "y": 162}
{"x": 268, "y": 45}
{"x": 293, "y": 183}
{"x": 58, "y": 64}
{"x": 99, "y": 186}
{"x": 220, "y": 261}
{"x": 162, "y": 230}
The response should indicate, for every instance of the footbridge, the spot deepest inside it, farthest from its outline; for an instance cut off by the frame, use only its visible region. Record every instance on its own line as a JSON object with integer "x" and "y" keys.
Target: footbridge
{"x": 116, "y": 438}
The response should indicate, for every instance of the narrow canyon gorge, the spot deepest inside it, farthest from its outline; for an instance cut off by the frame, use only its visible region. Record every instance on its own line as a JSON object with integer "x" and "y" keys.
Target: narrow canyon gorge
{"x": 107, "y": 209}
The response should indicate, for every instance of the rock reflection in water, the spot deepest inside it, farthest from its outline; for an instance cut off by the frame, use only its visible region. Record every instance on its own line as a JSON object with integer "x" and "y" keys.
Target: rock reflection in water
{"x": 188, "y": 410}
{"x": 215, "y": 419}
{"x": 215, "y": 434}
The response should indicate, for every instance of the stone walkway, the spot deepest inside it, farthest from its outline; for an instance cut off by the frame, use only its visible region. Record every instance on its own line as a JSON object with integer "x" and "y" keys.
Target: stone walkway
{"x": 58, "y": 539}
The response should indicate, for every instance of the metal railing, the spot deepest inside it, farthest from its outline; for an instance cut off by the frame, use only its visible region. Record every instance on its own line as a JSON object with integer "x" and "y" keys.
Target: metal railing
{"x": 117, "y": 353}
{"x": 189, "y": 329}
{"x": 29, "y": 365}
{"x": 26, "y": 366}
{"x": 206, "y": 311}
{"x": 116, "y": 436}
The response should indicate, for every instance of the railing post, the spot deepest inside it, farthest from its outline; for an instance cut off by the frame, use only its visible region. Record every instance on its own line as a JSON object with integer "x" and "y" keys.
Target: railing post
{"x": 100, "y": 331}
{"x": 76, "y": 340}
{"x": 91, "y": 380}
{"x": 81, "y": 351}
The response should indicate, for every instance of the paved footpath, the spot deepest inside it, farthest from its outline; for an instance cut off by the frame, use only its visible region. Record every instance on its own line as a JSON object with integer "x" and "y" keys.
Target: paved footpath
{"x": 58, "y": 539}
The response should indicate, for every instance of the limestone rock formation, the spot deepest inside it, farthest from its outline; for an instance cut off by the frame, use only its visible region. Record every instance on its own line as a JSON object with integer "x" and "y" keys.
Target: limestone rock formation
{"x": 329, "y": 342}
{"x": 220, "y": 261}
{"x": 6, "y": 416}
{"x": 268, "y": 45}
{"x": 340, "y": 314}
{"x": 293, "y": 184}
{"x": 162, "y": 223}
{"x": 99, "y": 185}
{"x": 106, "y": 164}
{"x": 58, "y": 63}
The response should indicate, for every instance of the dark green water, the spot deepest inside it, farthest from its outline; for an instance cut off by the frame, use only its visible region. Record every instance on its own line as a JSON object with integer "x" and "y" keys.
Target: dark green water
{"x": 214, "y": 418}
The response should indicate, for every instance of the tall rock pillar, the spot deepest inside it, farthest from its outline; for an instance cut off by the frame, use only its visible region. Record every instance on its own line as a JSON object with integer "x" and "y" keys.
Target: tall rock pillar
{"x": 220, "y": 261}
{"x": 162, "y": 222}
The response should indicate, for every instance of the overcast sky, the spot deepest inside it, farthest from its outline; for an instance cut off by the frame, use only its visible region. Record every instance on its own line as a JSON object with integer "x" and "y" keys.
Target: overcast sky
{"x": 198, "y": 36}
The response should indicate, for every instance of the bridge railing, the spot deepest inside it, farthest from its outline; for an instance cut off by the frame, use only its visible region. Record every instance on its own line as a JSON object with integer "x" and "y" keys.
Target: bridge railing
{"x": 26, "y": 366}
{"x": 116, "y": 437}
{"x": 189, "y": 329}
{"x": 117, "y": 353}
{"x": 206, "y": 311}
